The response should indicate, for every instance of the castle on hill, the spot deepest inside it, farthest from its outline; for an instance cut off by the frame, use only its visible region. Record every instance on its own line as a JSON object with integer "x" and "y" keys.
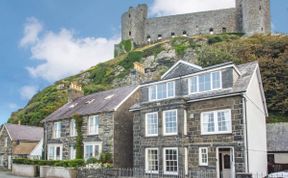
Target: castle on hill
{"x": 248, "y": 16}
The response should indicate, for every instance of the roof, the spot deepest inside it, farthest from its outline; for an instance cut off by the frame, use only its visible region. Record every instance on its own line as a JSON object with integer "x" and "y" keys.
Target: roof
{"x": 106, "y": 101}
{"x": 246, "y": 72}
{"x": 24, "y": 148}
{"x": 24, "y": 132}
{"x": 277, "y": 137}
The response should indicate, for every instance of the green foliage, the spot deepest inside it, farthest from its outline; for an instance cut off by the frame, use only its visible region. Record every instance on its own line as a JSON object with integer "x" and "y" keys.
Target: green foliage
{"x": 153, "y": 51}
{"x": 181, "y": 44}
{"x": 63, "y": 163}
{"x": 106, "y": 157}
{"x": 132, "y": 57}
{"x": 92, "y": 88}
{"x": 223, "y": 37}
{"x": 126, "y": 45}
{"x": 92, "y": 161}
{"x": 79, "y": 138}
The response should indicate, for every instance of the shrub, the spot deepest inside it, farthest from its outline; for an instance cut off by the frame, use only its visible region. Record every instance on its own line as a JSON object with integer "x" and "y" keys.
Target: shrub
{"x": 106, "y": 157}
{"x": 126, "y": 45}
{"x": 92, "y": 160}
{"x": 132, "y": 57}
{"x": 65, "y": 163}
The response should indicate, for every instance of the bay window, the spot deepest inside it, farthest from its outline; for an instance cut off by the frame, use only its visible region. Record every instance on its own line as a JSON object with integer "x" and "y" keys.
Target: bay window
{"x": 170, "y": 122}
{"x": 216, "y": 122}
{"x": 151, "y": 160}
{"x": 205, "y": 82}
{"x": 151, "y": 124}
{"x": 162, "y": 91}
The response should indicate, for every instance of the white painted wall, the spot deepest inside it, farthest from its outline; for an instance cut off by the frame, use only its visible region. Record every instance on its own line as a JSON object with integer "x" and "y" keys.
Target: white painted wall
{"x": 281, "y": 158}
{"x": 256, "y": 125}
{"x": 37, "y": 151}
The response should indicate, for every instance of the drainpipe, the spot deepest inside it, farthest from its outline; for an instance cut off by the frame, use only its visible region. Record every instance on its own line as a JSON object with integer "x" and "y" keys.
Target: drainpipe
{"x": 244, "y": 100}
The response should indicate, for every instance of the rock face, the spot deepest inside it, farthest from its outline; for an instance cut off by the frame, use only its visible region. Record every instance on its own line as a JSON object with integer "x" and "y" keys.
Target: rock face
{"x": 248, "y": 17}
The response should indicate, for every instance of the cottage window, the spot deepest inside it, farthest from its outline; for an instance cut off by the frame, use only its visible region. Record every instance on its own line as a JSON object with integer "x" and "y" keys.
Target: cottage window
{"x": 93, "y": 125}
{"x": 72, "y": 152}
{"x": 151, "y": 160}
{"x": 92, "y": 150}
{"x": 170, "y": 122}
{"x": 73, "y": 128}
{"x": 170, "y": 161}
{"x": 205, "y": 82}
{"x": 162, "y": 91}
{"x": 57, "y": 130}
{"x": 54, "y": 152}
{"x": 216, "y": 122}
{"x": 6, "y": 142}
{"x": 203, "y": 156}
{"x": 151, "y": 124}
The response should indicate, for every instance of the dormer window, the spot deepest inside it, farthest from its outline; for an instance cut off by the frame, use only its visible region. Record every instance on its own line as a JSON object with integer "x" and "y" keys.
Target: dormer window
{"x": 205, "y": 82}
{"x": 162, "y": 91}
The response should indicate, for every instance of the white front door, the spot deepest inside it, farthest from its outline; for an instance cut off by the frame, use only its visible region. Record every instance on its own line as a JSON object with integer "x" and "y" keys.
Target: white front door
{"x": 226, "y": 165}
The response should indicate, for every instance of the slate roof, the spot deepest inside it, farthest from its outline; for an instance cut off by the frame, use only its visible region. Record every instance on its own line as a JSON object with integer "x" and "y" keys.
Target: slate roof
{"x": 105, "y": 101}
{"x": 246, "y": 71}
{"x": 277, "y": 137}
{"x": 23, "y": 132}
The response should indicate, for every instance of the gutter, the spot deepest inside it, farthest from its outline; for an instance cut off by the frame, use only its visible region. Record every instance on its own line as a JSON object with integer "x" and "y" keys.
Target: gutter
{"x": 244, "y": 100}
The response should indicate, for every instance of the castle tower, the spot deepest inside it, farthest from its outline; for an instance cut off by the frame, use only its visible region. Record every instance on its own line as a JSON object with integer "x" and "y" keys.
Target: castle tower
{"x": 253, "y": 16}
{"x": 133, "y": 23}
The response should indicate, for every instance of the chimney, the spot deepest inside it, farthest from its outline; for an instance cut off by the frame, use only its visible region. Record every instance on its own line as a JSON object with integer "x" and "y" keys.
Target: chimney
{"x": 74, "y": 92}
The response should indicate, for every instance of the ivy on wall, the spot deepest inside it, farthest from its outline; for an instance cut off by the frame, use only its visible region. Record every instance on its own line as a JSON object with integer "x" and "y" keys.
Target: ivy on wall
{"x": 79, "y": 138}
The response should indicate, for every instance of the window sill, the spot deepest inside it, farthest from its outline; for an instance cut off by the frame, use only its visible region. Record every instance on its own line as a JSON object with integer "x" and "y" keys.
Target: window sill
{"x": 92, "y": 134}
{"x": 148, "y": 136}
{"x": 151, "y": 172}
{"x": 171, "y": 173}
{"x": 217, "y": 133}
{"x": 170, "y": 134}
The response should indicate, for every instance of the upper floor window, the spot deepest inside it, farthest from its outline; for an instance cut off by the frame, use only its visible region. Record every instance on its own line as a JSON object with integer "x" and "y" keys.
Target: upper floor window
{"x": 216, "y": 122}
{"x": 6, "y": 142}
{"x": 73, "y": 128}
{"x": 205, "y": 82}
{"x": 151, "y": 124}
{"x": 93, "y": 125}
{"x": 57, "y": 130}
{"x": 162, "y": 91}
{"x": 170, "y": 122}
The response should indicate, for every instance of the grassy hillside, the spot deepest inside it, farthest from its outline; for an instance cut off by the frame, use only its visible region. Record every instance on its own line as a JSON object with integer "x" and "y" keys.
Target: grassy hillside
{"x": 205, "y": 50}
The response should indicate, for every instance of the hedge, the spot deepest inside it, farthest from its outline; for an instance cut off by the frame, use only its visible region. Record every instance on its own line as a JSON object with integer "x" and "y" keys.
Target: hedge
{"x": 58, "y": 163}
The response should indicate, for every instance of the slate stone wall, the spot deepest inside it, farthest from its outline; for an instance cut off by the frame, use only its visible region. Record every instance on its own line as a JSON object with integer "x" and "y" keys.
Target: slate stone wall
{"x": 5, "y": 151}
{"x": 193, "y": 140}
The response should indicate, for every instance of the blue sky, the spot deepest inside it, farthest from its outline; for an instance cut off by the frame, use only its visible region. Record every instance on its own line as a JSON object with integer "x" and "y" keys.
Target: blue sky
{"x": 44, "y": 41}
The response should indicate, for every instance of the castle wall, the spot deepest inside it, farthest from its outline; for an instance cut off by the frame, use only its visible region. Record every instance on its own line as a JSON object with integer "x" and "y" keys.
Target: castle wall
{"x": 195, "y": 23}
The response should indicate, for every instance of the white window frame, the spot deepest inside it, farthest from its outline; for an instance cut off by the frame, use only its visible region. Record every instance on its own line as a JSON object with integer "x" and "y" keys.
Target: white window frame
{"x": 164, "y": 161}
{"x": 73, "y": 131}
{"x": 56, "y": 130}
{"x": 164, "y": 123}
{"x": 96, "y": 131}
{"x": 211, "y": 82}
{"x": 201, "y": 163}
{"x": 147, "y": 161}
{"x": 6, "y": 142}
{"x": 93, "y": 144}
{"x": 72, "y": 152}
{"x": 186, "y": 160}
{"x": 54, "y": 146}
{"x": 216, "y": 129}
{"x": 156, "y": 91}
{"x": 146, "y": 124}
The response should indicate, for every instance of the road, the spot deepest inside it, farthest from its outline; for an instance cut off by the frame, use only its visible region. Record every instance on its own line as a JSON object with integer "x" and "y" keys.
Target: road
{"x": 5, "y": 174}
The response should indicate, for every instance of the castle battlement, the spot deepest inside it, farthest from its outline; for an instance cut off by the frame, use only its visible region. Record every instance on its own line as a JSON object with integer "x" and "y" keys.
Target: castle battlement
{"x": 248, "y": 16}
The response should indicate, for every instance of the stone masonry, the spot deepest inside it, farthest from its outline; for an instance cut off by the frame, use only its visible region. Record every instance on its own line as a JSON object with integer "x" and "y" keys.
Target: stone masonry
{"x": 5, "y": 151}
{"x": 248, "y": 16}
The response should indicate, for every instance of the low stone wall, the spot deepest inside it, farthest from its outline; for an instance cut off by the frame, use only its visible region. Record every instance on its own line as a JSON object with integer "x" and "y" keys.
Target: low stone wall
{"x": 59, "y": 172}
{"x": 25, "y": 170}
{"x": 243, "y": 175}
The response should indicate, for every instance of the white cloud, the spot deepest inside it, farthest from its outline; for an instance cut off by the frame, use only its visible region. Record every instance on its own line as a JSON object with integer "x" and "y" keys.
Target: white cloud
{"x": 13, "y": 106}
{"x": 32, "y": 29}
{"x": 27, "y": 92}
{"x": 170, "y": 7}
{"x": 63, "y": 54}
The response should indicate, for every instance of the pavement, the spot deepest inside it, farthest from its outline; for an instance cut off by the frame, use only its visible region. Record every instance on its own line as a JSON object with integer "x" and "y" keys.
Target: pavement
{"x": 8, "y": 174}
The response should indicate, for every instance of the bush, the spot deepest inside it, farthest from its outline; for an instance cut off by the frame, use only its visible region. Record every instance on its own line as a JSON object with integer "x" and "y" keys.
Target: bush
{"x": 65, "y": 163}
{"x": 132, "y": 57}
{"x": 92, "y": 160}
{"x": 126, "y": 45}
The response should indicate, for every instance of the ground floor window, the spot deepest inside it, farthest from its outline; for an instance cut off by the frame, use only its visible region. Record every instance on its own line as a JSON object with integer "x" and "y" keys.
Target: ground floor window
{"x": 92, "y": 150}
{"x": 170, "y": 160}
{"x": 72, "y": 152}
{"x": 55, "y": 152}
{"x": 152, "y": 160}
{"x": 203, "y": 156}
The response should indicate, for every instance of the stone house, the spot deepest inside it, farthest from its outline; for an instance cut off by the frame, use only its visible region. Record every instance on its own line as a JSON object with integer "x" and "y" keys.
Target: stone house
{"x": 107, "y": 126}
{"x": 202, "y": 119}
{"x": 19, "y": 141}
{"x": 277, "y": 146}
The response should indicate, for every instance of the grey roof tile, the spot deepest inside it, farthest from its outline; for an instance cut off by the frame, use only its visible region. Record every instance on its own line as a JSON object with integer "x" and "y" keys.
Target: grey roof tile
{"x": 180, "y": 70}
{"x": 92, "y": 104}
{"x": 23, "y": 132}
{"x": 277, "y": 137}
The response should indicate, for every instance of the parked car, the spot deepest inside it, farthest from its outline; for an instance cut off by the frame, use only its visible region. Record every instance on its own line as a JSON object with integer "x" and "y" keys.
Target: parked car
{"x": 281, "y": 174}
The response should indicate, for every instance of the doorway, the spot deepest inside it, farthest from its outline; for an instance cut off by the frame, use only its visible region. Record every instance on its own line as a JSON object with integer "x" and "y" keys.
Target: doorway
{"x": 225, "y": 163}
